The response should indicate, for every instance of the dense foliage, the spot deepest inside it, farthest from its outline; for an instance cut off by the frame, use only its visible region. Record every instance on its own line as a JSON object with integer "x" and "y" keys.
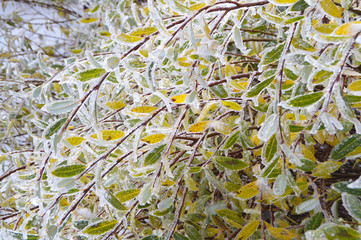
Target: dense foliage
{"x": 166, "y": 119}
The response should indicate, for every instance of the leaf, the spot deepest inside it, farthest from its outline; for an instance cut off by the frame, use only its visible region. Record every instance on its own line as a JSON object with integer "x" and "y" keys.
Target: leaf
{"x": 143, "y": 31}
{"x": 129, "y": 38}
{"x": 127, "y": 195}
{"x": 101, "y": 227}
{"x": 232, "y": 105}
{"x": 154, "y": 138}
{"x": 314, "y": 222}
{"x": 280, "y": 233}
{"x": 115, "y": 202}
{"x": 68, "y": 171}
{"x": 248, "y": 191}
{"x": 266, "y": 171}
{"x": 326, "y": 168}
{"x": 90, "y": 74}
{"x": 54, "y": 128}
{"x": 116, "y": 105}
{"x": 179, "y": 98}
{"x": 349, "y": 29}
{"x": 219, "y": 91}
{"x": 279, "y": 186}
{"x": 192, "y": 232}
{"x": 178, "y": 236}
{"x": 60, "y": 107}
{"x": 300, "y": 6}
{"x": 231, "y": 163}
{"x": 336, "y": 232}
{"x": 144, "y": 109}
{"x": 232, "y": 140}
{"x": 305, "y": 100}
{"x": 283, "y": 2}
{"x": 215, "y": 182}
{"x": 307, "y": 205}
{"x": 271, "y": 18}
{"x": 307, "y": 166}
{"x": 273, "y": 55}
{"x": 346, "y": 146}
{"x": 110, "y": 135}
{"x": 190, "y": 182}
{"x": 297, "y": 42}
{"x": 271, "y": 148}
{"x": 342, "y": 187}
{"x": 88, "y": 20}
{"x": 352, "y": 205}
{"x": 248, "y": 230}
{"x": 229, "y": 214}
{"x": 20, "y": 236}
{"x": 355, "y": 86}
{"x": 199, "y": 126}
{"x": 255, "y": 90}
{"x": 154, "y": 155}
{"x": 330, "y": 8}
{"x": 75, "y": 141}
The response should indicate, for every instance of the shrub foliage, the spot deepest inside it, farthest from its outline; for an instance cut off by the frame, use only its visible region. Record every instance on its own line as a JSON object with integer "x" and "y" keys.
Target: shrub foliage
{"x": 182, "y": 120}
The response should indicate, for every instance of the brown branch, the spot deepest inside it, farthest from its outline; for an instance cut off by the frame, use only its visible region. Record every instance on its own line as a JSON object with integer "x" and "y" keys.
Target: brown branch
{"x": 14, "y": 171}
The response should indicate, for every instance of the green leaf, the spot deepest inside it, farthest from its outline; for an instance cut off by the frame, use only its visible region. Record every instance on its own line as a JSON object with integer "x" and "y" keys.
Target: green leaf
{"x": 68, "y": 171}
{"x": 295, "y": 128}
{"x": 273, "y": 55}
{"x": 346, "y": 146}
{"x": 307, "y": 205}
{"x": 305, "y": 100}
{"x": 151, "y": 237}
{"x": 299, "y": 43}
{"x": 231, "y": 163}
{"x": 227, "y": 213}
{"x": 352, "y": 205}
{"x": 271, "y": 148}
{"x": 192, "y": 232}
{"x": 100, "y": 228}
{"x": 81, "y": 224}
{"x": 115, "y": 202}
{"x": 352, "y": 98}
{"x": 62, "y": 106}
{"x": 259, "y": 87}
{"x": 19, "y": 236}
{"x": 326, "y": 168}
{"x": 154, "y": 155}
{"x": 300, "y": 6}
{"x": 307, "y": 166}
{"x": 342, "y": 187}
{"x": 54, "y": 128}
{"x": 178, "y": 236}
{"x": 337, "y": 232}
{"x": 314, "y": 222}
{"x": 219, "y": 91}
{"x": 232, "y": 140}
{"x": 279, "y": 186}
{"x": 127, "y": 195}
{"x": 90, "y": 74}
{"x": 269, "y": 167}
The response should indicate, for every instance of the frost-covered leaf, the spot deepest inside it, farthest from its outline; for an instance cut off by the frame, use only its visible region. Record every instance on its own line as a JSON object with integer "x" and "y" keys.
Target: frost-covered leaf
{"x": 55, "y": 127}
{"x": 232, "y": 105}
{"x": 68, "y": 171}
{"x": 279, "y": 186}
{"x": 346, "y": 146}
{"x": 90, "y": 74}
{"x": 154, "y": 138}
{"x": 248, "y": 230}
{"x": 273, "y": 55}
{"x": 60, "y": 107}
{"x": 114, "y": 201}
{"x": 144, "y": 109}
{"x": 342, "y": 187}
{"x": 232, "y": 140}
{"x": 88, "y": 20}
{"x": 127, "y": 195}
{"x": 248, "y": 191}
{"x": 100, "y": 227}
{"x": 75, "y": 141}
{"x": 330, "y": 8}
{"x": 154, "y": 155}
{"x": 315, "y": 221}
{"x": 200, "y": 126}
{"x": 280, "y": 233}
{"x": 116, "y": 105}
{"x": 305, "y": 100}
{"x": 254, "y": 91}
{"x": 231, "y": 163}
{"x": 326, "y": 168}
{"x": 352, "y": 205}
{"x": 355, "y": 86}
{"x": 307, "y": 205}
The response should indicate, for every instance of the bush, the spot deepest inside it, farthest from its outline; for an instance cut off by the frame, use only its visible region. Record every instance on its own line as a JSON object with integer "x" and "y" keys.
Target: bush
{"x": 182, "y": 120}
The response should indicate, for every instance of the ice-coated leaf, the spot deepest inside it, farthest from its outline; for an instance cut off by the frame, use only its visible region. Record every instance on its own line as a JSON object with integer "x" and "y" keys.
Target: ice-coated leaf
{"x": 20, "y": 236}
{"x": 145, "y": 194}
{"x": 116, "y": 105}
{"x": 269, "y": 127}
{"x": 340, "y": 232}
{"x": 303, "y": 45}
{"x": 330, "y": 8}
{"x": 346, "y": 146}
{"x": 143, "y": 31}
{"x": 270, "y": 17}
{"x": 199, "y": 126}
{"x": 342, "y": 187}
{"x": 279, "y": 186}
{"x": 305, "y": 100}
{"x": 269, "y": 167}
{"x": 154, "y": 155}
{"x": 127, "y": 195}
{"x": 283, "y": 2}
{"x": 248, "y": 230}
{"x": 301, "y": 5}
{"x": 273, "y": 55}
{"x": 314, "y": 222}
{"x": 232, "y": 105}
{"x": 88, "y": 20}
{"x": 192, "y": 232}
{"x": 280, "y": 233}
{"x": 190, "y": 182}
{"x": 355, "y": 86}
{"x": 307, "y": 205}
{"x": 144, "y": 109}
{"x": 232, "y": 140}
{"x": 178, "y": 236}
{"x": 68, "y": 171}
{"x": 90, "y": 74}
{"x": 349, "y": 29}
{"x": 219, "y": 91}
{"x": 60, "y": 107}
{"x": 231, "y": 163}
{"x": 271, "y": 148}
{"x": 254, "y": 91}
{"x": 352, "y": 205}
{"x": 215, "y": 182}
{"x": 54, "y": 128}
{"x": 115, "y": 202}
{"x": 110, "y": 135}
{"x": 307, "y": 165}
{"x": 248, "y": 191}
{"x": 75, "y": 141}
{"x": 129, "y": 38}
{"x": 326, "y": 168}
{"x": 179, "y": 98}
{"x": 154, "y": 138}
{"x": 100, "y": 227}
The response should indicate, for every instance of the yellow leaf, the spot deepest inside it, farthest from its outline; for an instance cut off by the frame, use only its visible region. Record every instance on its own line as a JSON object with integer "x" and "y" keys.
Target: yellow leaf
{"x": 144, "y": 52}
{"x": 110, "y": 134}
{"x": 292, "y": 117}
{"x": 248, "y": 191}
{"x": 115, "y": 105}
{"x": 88, "y": 20}
{"x": 197, "y": 6}
{"x": 230, "y": 70}
{"x": 192, "y": 185}
{"x": 128, "y": 38}
{"x": 280, "y": 233}
{"x": 144, "y": 109}
{"x": 349, "y": 29}
{"x": 330, "y": 8}
{"x": 105, "y": 33}
{"x": 248, "y": 230}
{"x": 199, "y": 126}
{"x": 57, "y": 87}
{"x": 76, "y": 51}
{"x": 155, "y": 138}
{"x": 221, "y": 127}
{"x": 283, "y": 2}
{"x": 75, "y": 141}
{"x": 64, "y": 202}
{"x": 232, "y": 105}
{"x": 355, "y": 86}
{"x": 308, "y": 153}
{"x": 143, "y": 31}
{"x": 179, "y": 98}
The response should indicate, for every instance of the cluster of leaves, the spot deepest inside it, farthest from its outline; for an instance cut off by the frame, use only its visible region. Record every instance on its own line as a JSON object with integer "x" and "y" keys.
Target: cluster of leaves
{"x": 189, "y": 120}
